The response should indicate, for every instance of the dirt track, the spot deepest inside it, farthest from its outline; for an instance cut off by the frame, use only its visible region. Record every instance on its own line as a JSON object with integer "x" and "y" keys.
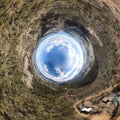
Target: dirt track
{"x": 98, "y": 117}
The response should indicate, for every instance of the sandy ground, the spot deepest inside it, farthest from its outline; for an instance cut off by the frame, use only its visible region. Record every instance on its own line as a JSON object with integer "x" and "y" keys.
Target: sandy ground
{"x": 104, "y": 115}
{"x": 114, "y": 5}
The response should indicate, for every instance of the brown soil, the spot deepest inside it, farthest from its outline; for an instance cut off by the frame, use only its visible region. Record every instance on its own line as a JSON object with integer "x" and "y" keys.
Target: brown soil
{"x": 104, "y": 114}
{"x": 22, "y": 22}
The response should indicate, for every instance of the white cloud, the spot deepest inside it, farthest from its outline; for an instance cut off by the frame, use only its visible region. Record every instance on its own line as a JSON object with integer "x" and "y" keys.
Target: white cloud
{"x": 71, "y": 51}
{"x": 77, "y": 55}
{"x": 56, "y": 41}
{"x": 49, "y": 48}
{"x": 45, "y": 68}
{"x": 61, "y": 73}
{"x": 57, "y": 69}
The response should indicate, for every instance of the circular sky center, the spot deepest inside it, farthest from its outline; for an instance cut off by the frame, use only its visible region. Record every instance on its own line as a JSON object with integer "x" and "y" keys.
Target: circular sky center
{"x": 59, "y": 57}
